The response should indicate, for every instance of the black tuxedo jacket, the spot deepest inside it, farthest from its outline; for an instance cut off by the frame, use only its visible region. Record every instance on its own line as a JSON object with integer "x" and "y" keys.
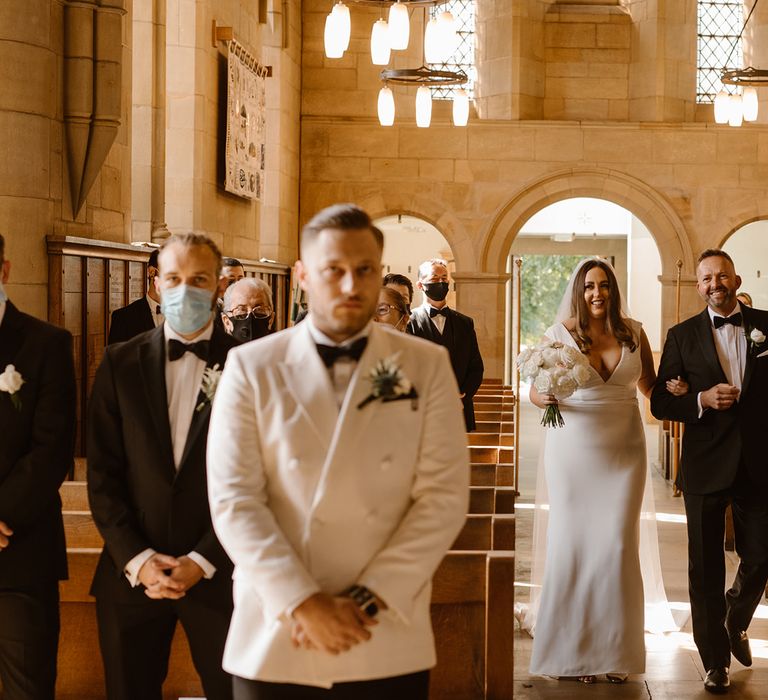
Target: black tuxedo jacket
{"x": 137, "y": 497}
{"x": 460, "y": 339}
{"x": 129, "y": 321}
{"x": 36, "y": 447}
{"x": 715, "y": 444}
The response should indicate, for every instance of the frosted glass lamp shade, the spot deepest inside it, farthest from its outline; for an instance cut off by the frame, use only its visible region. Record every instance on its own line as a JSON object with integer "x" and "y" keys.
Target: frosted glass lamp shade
{"x": 722, "y": 107}
{"x": 380, "y": 43}
{"x": 344, "y": 23}
{"x": 432, "y": 50}
{"x": 386, "y": 107}
{"x": 460, "y": 108}
{"x": 449, "y": 40}
{"x": 399, "y": 27}
{"x": 334, "y": 47}
{"x": 749, "y": 103}
{"x": 423, "y": 107}
{"x": 736, "y": 111}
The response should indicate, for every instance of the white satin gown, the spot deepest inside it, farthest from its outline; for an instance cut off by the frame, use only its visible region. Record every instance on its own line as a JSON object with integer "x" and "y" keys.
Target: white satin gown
{"x": 590, "y": 614}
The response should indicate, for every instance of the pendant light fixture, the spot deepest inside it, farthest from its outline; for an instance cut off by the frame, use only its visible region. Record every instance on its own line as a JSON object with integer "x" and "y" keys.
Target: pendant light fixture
{"x": 423, "y": 107}
{"x": 460, "y": 107}
{"x": 338, "y": 29}
{"x": 386, "y": 107}
{"x": 448, "y": 39}
{"x": 380, "y": 48}
{"x": 749, "y": 104}
{"x": 722, "y": 107}
{"x": 735, "y": 111}
{"x": 433, "y": 52}
{"x": 399, "y": 27}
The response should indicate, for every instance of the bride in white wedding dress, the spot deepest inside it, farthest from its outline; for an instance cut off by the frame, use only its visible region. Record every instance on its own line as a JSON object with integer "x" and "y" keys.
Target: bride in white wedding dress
{"x": 589, "y": 617}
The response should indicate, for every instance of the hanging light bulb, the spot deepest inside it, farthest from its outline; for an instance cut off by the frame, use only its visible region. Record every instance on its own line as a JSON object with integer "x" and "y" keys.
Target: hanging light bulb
{"x": 345, "y": 23}
{"x": 423, "y": 107}
{"x": 460, "y": 108}
{"x": 332, "y": 36}
{"x": 735, "y": 111}
{"x": 380, "y": 43}
{"x": 386, "y": 107}
{"x": 749, "y": 103}
{"x": 432, "y": 50}
{"x": 722, "y": 107}
{"x": 449, "y": 39}
{"x": 399, "y": 26}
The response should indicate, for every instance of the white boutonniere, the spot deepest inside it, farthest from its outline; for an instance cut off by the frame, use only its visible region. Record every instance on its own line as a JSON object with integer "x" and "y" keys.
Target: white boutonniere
{"x": 755, "y": 337}
{"x": 211, "y": 378}
{"x": 388, "y": 383}
{"x": 10, "y": 383}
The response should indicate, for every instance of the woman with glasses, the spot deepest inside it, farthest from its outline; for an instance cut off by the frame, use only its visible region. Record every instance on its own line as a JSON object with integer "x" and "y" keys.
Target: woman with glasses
{"x": 392, "y": 309}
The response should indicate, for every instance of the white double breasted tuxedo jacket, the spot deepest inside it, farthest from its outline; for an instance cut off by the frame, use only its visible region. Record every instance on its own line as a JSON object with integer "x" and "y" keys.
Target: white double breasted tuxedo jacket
{"x": 307, "y": 497}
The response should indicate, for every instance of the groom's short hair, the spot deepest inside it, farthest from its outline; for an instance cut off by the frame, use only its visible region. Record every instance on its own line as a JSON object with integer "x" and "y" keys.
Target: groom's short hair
{"x": 714, "y": 252}
{"x": 342, "y": 217}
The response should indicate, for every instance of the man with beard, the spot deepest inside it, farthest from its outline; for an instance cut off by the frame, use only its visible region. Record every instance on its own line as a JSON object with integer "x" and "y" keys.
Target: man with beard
{"x": 434, "y": 321}
{"x": 723, "y": 354}
{"x": 248, "y": 310}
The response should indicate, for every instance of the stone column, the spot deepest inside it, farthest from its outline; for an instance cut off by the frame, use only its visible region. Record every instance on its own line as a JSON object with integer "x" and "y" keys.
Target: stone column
{"x": 482, "y": 295}
{"x": 690, "y": 301}
{"x": 30, "y": 142}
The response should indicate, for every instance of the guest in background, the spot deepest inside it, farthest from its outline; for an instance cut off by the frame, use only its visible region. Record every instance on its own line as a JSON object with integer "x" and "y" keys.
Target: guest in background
{"x": 745, "y": 299}
{"x": 402, "y": 284}
{"x": 248, "y": 311}
{"x": 392, "y": 309}
{"x": 37, "y": 437}
{"x": 434, "y": 321}
{"x": 232, "y": 270}
{"x": 141, "y": 315}
{"x": 147, "y": 435}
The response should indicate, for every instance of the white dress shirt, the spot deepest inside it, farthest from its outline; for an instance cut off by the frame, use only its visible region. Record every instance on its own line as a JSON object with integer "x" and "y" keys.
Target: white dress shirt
{"x": 437, "y": 321}
{"x": 158, "y": 318}
{"x": 183, "y": 378}
{"x": 731, "y": 347}
{"x": 342, "y": 370}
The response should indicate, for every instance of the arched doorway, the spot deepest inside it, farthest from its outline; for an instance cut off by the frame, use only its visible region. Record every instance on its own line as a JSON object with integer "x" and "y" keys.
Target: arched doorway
{"x": 748, "y": 246}
{"x": 408, "y": 241}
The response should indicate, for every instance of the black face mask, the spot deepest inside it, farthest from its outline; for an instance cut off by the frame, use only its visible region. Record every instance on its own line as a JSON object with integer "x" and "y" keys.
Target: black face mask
{"x": 437, "y": 291}
{"x": 250, "y": 329}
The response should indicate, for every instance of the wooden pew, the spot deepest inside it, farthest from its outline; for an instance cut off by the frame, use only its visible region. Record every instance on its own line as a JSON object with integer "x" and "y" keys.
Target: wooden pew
{"x": 490, "y": 500}
{"x": 486, "y": 532}
{"x": 472, "y": 615}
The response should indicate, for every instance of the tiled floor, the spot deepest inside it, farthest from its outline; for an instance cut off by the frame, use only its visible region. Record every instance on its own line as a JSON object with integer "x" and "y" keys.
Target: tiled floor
{"x": 673, "y": 667}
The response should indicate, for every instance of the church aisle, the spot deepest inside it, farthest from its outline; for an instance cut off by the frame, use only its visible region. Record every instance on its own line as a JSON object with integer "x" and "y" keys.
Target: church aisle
{"x": 673, "y": 667}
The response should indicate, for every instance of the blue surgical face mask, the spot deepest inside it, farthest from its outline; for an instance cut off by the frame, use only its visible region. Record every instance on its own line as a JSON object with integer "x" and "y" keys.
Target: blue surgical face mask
{"x": 186, "y": 309}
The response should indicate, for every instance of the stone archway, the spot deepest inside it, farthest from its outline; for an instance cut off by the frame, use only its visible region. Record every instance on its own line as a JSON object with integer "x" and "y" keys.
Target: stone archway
{"x": 634, "y": 195}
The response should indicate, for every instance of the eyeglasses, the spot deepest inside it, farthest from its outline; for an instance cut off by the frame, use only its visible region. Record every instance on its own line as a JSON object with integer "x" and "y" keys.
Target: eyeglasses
{"x": 241, "y": 313}
{"x": 383, "y": 309}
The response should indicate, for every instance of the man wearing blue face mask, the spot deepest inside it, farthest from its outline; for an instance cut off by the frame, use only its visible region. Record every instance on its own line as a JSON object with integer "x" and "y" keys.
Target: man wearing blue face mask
{"x": 147, "y": 435}
{"x": 435, "y": 321}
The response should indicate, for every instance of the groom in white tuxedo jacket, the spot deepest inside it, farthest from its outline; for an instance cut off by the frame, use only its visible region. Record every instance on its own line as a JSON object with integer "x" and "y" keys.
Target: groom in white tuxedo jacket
{"x": 335, "y": 494}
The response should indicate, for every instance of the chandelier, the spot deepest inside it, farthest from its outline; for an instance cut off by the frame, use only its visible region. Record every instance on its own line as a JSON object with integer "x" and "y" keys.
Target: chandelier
{"x": 393, "y": 34}
{"x": 742, "y": 105}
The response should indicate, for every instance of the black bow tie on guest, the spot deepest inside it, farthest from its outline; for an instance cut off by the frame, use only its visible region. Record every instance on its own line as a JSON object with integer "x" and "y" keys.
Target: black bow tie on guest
{"x": 176, "y": 349}
{"x": 438, "y": 312}
{"x": 721, "y": 321}
{"x": 158, "y": 310}
{"x": 330, "y": 353}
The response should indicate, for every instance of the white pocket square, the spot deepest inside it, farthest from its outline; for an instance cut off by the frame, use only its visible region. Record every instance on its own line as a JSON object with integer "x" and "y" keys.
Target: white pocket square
{"x": 763, "y": 354}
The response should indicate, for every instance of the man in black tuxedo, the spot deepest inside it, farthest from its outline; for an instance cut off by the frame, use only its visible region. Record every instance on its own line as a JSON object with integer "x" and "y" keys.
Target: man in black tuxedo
{"x": 147, "y": 435}
{"x": 723, "y": 354}
{"x": 141, "y": 315}
{"x": 434, "y": 321}
{"x": 37, "y": 434}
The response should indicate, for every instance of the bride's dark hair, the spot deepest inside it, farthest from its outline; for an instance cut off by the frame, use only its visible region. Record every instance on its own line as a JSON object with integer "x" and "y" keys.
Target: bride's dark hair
{"x": 614, "y": 322}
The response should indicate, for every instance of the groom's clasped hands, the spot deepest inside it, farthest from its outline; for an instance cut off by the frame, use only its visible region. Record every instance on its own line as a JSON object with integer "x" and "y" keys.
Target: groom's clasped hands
{"x": 719, "y": 397}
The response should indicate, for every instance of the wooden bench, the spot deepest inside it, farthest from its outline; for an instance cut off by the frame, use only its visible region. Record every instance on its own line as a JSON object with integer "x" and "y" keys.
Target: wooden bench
{"x": 473, "y": 620}
{"x": 489, "y": 500}
{"x": 486, "y": 532}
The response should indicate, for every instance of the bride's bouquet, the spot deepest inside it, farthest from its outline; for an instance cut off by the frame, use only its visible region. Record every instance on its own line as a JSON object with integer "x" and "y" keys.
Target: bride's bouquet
{"x": 554, "y": 368}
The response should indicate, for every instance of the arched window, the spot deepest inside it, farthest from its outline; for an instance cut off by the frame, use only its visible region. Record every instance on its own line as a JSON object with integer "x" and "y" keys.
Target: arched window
{"x": 719, "y": 26}
{"x": 463, "y": 58}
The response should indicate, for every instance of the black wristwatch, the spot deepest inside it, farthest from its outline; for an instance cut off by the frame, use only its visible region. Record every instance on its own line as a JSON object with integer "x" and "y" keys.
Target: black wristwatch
{"x": 364, "y": 599}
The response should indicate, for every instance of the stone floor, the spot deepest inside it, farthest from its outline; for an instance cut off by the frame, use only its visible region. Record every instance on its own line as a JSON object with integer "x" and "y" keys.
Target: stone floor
{"x": 673, "y": 667}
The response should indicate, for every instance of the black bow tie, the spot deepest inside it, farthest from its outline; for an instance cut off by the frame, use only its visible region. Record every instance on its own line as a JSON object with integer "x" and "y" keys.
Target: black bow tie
{"x": 330, "y": 353}
{"x": 721, "y": 321}
{"x": 176, "y": 349}
{"x": 158, "y": 310}
{"x": 438, "y": 312}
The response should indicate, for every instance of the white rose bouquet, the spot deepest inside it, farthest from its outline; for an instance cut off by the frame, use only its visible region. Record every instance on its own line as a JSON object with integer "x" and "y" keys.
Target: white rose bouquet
{"x": 555, "y": 369}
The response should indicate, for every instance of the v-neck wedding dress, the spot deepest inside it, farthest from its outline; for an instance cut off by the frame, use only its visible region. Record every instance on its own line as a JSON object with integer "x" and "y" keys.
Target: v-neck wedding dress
{"x": 590, "y": 614}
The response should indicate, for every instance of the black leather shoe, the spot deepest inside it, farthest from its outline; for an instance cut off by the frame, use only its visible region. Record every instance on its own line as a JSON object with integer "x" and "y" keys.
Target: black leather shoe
{"x": 740, "y": 647}
{"x": 717, "y": 681}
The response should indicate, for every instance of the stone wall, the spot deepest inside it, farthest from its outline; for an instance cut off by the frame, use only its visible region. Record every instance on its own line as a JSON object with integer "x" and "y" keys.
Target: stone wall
{"x": 691, "y": 183}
